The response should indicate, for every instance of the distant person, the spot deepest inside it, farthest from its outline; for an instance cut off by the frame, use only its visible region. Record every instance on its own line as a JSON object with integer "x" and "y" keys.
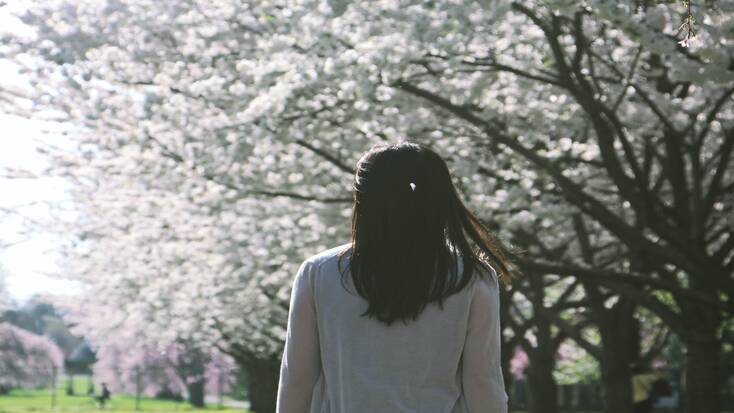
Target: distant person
{"x": 643, "y": 383}
{"x": 405, "y": 317}
{"x": 104, "y": 396}
{"x": 90, "y": 389}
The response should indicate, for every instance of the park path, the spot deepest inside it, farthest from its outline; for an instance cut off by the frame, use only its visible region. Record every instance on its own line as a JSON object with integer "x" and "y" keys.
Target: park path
{"x": 235, "y": 404}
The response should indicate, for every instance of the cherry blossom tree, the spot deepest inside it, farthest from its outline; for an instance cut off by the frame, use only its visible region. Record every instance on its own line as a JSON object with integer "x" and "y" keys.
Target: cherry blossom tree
{"x": 27, "y": 360}
{"x": 216, "y": 144}
{"x": 134, "y": 368}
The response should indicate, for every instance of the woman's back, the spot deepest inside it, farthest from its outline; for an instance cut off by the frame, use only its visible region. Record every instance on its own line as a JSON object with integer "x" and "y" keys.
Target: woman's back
{"x": 404, "y": 318}
{"x": 445, "y": 361}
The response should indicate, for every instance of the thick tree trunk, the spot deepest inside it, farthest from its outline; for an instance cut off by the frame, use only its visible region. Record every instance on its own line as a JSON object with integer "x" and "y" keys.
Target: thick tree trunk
{"x": 542, "y": 388}
{"x": 621, "y": 343}
{"x": 196, "y": 393}
{"x": 262, "y": 381}
{"x": 703, "y": 355}
{"x": 702, "y": 376}
{"x": 190, "y": 365}
{"x": 616, "y": 379}
{"x": 702, "y": 388}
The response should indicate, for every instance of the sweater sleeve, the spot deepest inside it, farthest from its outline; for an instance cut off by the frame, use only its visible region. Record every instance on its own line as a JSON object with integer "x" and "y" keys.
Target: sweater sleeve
{"x": 301, "y": 363}
{"x": 482, "y": 381}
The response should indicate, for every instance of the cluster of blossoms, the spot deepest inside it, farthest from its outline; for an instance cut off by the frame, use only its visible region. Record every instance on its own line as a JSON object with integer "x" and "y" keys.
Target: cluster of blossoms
{"x": 132, "y": 368}
{"x": 27, "y": 359}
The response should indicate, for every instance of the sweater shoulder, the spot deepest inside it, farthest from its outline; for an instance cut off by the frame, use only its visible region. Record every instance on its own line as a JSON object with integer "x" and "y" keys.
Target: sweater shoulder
{"x": 328, "y": 256}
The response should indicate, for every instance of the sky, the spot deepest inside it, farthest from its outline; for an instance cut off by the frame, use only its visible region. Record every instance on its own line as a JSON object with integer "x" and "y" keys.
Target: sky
{"x": 30, "y": 257}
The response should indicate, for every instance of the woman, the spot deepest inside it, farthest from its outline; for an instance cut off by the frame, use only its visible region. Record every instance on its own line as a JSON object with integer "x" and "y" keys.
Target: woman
{"x": 643, "y": 387}
{"x": 405, "y": 318}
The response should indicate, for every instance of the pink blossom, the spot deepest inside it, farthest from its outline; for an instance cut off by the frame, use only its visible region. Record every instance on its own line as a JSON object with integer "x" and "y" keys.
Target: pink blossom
{"x": 27, "y": 359}
{"x": 519, "y": 363}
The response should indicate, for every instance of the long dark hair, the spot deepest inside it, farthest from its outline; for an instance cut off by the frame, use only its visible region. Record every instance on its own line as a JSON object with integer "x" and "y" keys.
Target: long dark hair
{"x": 409, "y": 231}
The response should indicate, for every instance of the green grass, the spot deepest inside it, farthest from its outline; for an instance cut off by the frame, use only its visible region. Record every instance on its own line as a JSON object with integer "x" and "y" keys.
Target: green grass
{"x": 40, "y": 401}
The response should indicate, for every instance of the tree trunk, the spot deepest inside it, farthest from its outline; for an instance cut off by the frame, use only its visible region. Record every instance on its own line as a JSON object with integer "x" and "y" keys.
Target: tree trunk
{"x": 138, "y": 387}
{"x": 53, "y": 387}
{"x": 703, "y": 355}
{"x": 70, "y": 385}
{"x": 196, "y": 392}
{"x": 702, "y": 388}
{"x": 702, "y": 377}
{"x": 620, "y": 337}
{"x": 616, "y": 379}
{"x": 506, "y": 358}
{"x": 542, "y": 388}
{"x": 262, "y": 378}
{"x": 508, "y": 344}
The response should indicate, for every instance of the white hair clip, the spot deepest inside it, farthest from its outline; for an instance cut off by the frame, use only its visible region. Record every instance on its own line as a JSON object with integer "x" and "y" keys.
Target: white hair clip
{"x": 412, "y": 186}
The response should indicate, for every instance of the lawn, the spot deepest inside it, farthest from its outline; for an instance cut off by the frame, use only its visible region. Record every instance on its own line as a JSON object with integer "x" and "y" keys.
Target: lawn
{"x": 41, "y": 401}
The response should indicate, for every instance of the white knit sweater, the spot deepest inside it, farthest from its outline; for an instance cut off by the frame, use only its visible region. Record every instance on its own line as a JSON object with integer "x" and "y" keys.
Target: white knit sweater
{"x": 446, "y": 361}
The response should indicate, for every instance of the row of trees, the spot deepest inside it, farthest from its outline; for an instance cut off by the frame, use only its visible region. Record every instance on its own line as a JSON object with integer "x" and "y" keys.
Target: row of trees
{"x": 178, "y": 371}
{"x": 216, "y": 144}
{"x": 37, "y": 350}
